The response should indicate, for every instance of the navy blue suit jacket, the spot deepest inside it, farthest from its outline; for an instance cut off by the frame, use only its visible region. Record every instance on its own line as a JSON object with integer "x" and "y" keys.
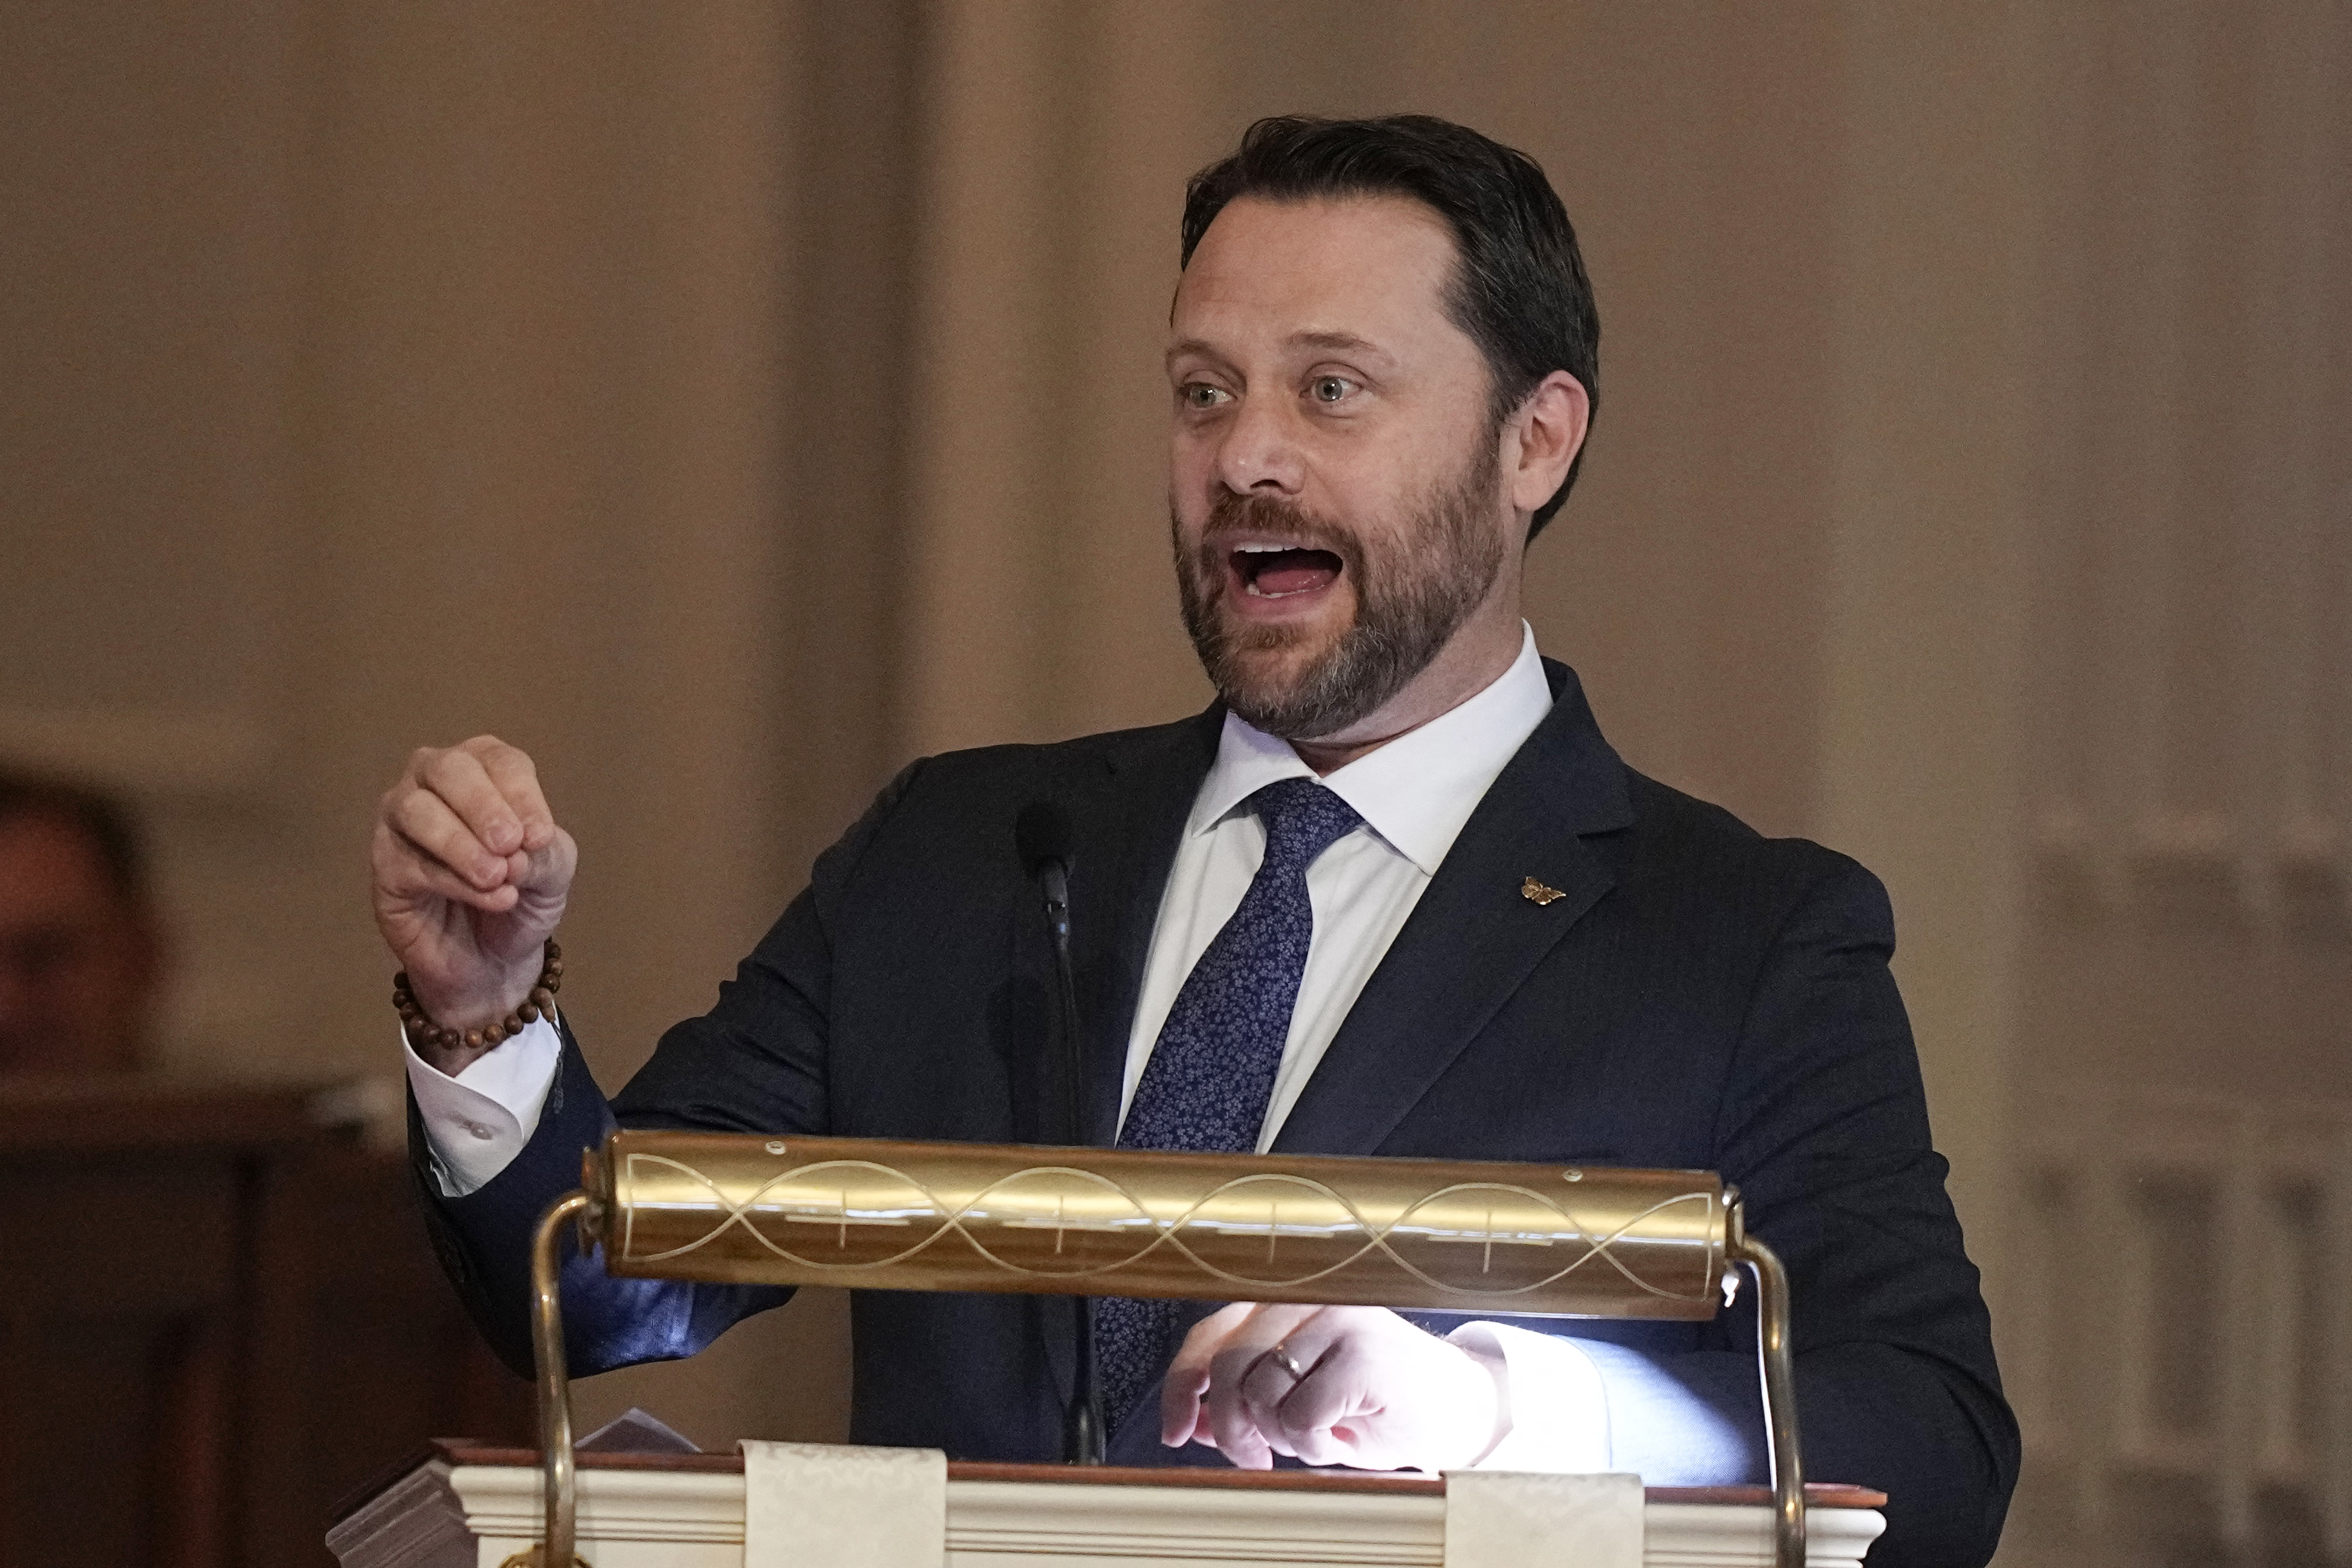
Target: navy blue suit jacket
{"x": 1702, "y": 997}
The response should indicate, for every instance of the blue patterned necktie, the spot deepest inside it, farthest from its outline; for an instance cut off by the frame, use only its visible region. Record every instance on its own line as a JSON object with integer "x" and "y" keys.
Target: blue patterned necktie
{"x": 1212, "y": 1071}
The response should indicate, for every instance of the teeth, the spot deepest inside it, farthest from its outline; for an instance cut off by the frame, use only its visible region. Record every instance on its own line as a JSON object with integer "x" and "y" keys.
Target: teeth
{"x": 1260, "y": 549}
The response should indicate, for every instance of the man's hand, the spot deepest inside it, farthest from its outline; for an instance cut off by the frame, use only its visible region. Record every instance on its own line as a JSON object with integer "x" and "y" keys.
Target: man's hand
{"x": 471, "y": 875}
{"x": 1368, "y": 1390}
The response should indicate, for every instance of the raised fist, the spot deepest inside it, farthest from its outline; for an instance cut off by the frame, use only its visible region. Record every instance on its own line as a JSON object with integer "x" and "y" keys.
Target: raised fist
{"x": 471, "y": 874}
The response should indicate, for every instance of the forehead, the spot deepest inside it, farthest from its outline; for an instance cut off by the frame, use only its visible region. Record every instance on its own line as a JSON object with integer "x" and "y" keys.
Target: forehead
{"x": 1375, "y": 268}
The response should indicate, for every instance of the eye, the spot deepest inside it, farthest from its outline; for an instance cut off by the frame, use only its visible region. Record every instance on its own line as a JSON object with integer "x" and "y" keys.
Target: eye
{"x": 1330, "y": 388}
{"x": 1201, "y": 394}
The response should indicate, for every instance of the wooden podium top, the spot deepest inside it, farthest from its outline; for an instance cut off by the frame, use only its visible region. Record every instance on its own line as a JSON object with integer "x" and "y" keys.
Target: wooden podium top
{"x": 457, "y": 1451}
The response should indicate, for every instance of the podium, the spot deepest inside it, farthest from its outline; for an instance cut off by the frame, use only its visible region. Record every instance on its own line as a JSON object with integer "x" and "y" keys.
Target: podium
{"x": 459, "y": 1505}
{"x": 1469, "y": 1237}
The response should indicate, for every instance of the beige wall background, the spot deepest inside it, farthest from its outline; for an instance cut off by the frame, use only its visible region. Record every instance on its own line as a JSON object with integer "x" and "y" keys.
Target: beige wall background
{"x": 730, "y": 402}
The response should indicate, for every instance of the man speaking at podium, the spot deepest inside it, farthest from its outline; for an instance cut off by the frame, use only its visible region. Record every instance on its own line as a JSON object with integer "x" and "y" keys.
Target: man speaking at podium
{"x": 1392, "y": 894}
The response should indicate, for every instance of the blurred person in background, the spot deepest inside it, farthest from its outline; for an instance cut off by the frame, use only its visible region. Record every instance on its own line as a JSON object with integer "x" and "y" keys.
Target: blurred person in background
{"x": 81, "y": 952}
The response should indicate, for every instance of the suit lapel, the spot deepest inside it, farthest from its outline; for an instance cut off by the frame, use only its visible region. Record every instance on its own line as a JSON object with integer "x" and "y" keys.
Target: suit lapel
{"x": 1129, "y": 843}
{"x": 1476, "y": 934}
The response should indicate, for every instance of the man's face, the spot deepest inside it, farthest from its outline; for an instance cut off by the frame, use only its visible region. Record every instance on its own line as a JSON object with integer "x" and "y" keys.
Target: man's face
{"x": 77, "y": 966}
{"x": 1335, "y": 493}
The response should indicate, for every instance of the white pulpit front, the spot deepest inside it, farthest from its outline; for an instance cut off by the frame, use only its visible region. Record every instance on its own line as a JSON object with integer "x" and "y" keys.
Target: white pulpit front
{"x": 460, "y": 1506}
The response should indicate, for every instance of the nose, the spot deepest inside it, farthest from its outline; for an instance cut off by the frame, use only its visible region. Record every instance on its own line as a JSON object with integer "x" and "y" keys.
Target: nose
{"x": 1260, "y": 452}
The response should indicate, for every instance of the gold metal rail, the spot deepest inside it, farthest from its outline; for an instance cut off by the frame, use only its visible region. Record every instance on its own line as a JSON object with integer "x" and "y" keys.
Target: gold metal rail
{"x": 1446, "y": 1236}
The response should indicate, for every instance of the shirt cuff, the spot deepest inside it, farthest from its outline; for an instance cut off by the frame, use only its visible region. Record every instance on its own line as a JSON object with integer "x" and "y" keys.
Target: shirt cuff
{"x": 476, "y": 1123}
{"x": 1554, "y": 1399}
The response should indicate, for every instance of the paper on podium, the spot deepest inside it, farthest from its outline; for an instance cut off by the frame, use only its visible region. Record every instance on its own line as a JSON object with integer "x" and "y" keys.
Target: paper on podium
{"x": 1499, "y": 1519}
{"x": 818, "y": 1505}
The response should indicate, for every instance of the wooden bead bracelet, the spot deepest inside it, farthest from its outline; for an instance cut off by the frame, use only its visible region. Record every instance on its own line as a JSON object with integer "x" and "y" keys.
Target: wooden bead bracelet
{"x": 424, "y": 1031}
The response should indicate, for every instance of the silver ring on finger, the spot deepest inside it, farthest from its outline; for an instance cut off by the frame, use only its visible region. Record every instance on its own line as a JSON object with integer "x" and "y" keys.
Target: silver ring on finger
{"x": 1280, "y": 1355}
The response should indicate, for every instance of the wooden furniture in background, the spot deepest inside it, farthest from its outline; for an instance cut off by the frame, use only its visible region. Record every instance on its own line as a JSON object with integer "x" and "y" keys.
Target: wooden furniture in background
{"x": 220, "y": 1316}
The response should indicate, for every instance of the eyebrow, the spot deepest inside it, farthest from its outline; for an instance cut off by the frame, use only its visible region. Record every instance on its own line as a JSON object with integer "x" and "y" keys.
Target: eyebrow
{"x": 1340, "y": 341}
{"x": 1343, "y": 342}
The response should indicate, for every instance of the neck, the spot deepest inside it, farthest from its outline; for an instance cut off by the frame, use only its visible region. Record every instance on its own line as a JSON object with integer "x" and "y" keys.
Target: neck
{"x": 1473, "y": 659}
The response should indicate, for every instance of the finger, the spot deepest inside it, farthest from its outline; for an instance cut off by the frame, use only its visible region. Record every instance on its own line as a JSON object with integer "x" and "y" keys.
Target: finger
{"x": 425, "y": 819}
{"x": 1188, "y": 1375}
{"x": 458, "y": 777}
{"x": 1271, "y": 1385}
{"x": 1264, "y": 1386}
{"x": 1232, "y": 1432}
{"x": 1322, "y": 1445}
{"x": 1311, "y": 1417}
{"x": 405, "y": 875}
{"x": 516, "y": 778}
{"x": 1179, "y": 1406}
{"x": 1230, "y": 1421}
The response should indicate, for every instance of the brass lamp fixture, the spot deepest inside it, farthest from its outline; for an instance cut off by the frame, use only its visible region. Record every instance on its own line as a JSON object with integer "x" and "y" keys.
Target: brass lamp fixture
{"x": 1423, "y": 1234}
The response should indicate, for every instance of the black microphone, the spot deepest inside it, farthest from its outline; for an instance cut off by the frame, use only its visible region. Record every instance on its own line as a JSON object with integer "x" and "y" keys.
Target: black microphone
{"x": 1041, "y": 833}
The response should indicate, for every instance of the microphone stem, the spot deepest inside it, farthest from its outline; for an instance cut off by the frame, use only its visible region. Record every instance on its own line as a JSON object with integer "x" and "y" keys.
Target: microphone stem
{"x": 1083, "y": 1437}
{"x": 1073, "y": 1131}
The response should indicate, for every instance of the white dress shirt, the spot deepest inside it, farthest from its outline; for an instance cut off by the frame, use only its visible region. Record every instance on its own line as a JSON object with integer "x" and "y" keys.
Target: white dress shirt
{"x": 1415, "y": 793}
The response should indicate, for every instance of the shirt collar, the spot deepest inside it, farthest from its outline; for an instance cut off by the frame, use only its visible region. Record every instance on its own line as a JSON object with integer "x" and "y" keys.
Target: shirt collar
{"x": 1419, "y": 790}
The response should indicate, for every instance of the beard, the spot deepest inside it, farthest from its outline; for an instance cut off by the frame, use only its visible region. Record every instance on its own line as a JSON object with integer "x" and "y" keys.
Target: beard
{"x": 1412, "y": 596}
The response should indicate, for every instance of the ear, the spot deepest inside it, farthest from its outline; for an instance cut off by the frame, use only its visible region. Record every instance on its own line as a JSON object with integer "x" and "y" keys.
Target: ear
{"x": 1543, "y": 437}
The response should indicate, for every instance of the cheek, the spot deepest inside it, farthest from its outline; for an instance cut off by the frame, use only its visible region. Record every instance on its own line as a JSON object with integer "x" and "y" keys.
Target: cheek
{"x": 1192, "y": 480}
{"x": 1364, "y": 479}
{"x": 1192, "y": 448}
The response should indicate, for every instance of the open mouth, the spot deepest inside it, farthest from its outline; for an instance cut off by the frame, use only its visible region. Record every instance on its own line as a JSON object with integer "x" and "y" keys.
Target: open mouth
{"x": 1282, "y": 571}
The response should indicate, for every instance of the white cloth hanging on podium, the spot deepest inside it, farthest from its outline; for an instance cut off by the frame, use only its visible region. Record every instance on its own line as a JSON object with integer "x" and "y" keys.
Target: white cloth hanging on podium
{"x": 819, "y": 1505}
{"x": 1502, "y": 1519}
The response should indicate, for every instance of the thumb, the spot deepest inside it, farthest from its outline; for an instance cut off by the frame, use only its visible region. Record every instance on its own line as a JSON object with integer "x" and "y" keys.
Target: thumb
{"x": 542, "y": 876}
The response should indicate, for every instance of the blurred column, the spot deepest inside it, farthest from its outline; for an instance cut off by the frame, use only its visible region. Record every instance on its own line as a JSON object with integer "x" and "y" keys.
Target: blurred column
{"x": 980, "y": 581}
{"x": 548, "y": 495}
{"x": 1920, "y": 739}
{"x": 1151, "y": 110}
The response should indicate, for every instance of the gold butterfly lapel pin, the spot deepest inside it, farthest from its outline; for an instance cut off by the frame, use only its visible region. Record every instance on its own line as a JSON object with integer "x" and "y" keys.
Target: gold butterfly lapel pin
{"x": 1536, "y": 893}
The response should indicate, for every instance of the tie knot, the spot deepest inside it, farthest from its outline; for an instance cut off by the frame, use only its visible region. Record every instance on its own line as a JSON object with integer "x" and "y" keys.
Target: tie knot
{"x": 1302, "y": 820}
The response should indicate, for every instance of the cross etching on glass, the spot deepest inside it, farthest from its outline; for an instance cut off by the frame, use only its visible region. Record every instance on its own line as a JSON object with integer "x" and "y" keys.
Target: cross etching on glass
{"x": 1275, "y": 1228}
{"x": 1487, "y": 1238}
{"x": 1062, "y": 1224}
{"x": 841, "y": 1217}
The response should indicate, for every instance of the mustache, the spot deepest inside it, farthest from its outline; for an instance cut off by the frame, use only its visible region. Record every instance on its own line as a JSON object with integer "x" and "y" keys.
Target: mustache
{"x": 1234, "y": 517}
